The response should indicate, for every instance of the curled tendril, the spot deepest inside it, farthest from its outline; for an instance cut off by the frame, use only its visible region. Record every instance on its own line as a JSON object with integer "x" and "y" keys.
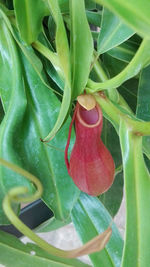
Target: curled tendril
{"x": 19, "y": 194}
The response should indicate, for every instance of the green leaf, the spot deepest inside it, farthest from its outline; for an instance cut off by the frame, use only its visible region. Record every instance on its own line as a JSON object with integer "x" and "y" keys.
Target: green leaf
{"x": 124, "y": 52}
{"x": 110, "y": 199}
{"x": 90, "y": 5}
{"x": 133, "y": 13}
{"x": 51, "y": 225}
{"x": 94, "y": 18}
{"x": 113, "y": 32}
{"x": 146, "y": 146}
{"x": 112, "y": 66}
{"x": 31, "y": 109}
{"x": 140, "y": 60}
{"x": 60, "y": 193}
{"x": 2, "y": 2}
{"x": 51, "y": 30}
{"x": 27, "y": 50}
{"x": 14, "y": 103}
{"x": 129, "y": 91}
{"x": 64, "y": 5}
{"x": 29, "y": 22}
{"x": 137, "y": 188}
{"x": 13, "y": 251}
{"x": 9, "y": 4}
{"x": 111, "y": 141}
{"x": 90, "y": 218}
{"x": 1, "y": 112}
{"x": 5, "y": 9}
{"x": 62, "y": 48}
{"x": 50, "y": 69}
{"x": 143, "y": 104}
{"x": 113, "y": 197}
{"x": 81, "y": 38}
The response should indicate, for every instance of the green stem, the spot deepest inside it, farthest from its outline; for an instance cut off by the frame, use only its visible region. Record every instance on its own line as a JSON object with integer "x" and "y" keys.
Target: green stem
{"x": 113, "y": 113}
{"x": 137, "y": 188}
{"x": 119, "y": 169}
{"x": 103, "y": 77}
{"x": 110, "y": 111}
{"x": 100, "y": 71}
{"x": 50, "y": 55}
{"x": 131, "y": 70}
{"x": 141, "y": 128}
{"x": 113, "y": 93}
{"x": 12, "y": 196}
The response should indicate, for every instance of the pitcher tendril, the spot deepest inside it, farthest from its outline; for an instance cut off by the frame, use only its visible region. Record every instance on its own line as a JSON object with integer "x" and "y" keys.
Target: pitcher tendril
{"x": 14, "y": 195}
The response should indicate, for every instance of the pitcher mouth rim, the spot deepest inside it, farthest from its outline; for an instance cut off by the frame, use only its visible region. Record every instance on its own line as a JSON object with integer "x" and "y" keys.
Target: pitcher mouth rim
{"x": 100, "y": 118}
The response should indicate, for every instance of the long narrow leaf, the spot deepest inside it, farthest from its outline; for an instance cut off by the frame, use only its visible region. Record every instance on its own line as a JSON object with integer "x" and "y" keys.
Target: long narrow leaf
{"x": 137, "y": 188}
{"x": 124, "y": 52}
{"x": 81, "y": 47}
{"x": 27, "y": 50}
{"x": 15, "y": 253}
{"x": 112, "y": 33}
{"x": 29, "y": 20}
{"x": 134, "y": 13}
{"x": 62, "y": 48}
{"x": 143, "y": 104}
{"x": 90, "y": 218}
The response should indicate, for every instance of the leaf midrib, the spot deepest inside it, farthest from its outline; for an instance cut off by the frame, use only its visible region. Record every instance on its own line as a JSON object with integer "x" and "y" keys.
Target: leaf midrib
{"x": 46, "y": 153}
{"x": 105, "y": 44}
